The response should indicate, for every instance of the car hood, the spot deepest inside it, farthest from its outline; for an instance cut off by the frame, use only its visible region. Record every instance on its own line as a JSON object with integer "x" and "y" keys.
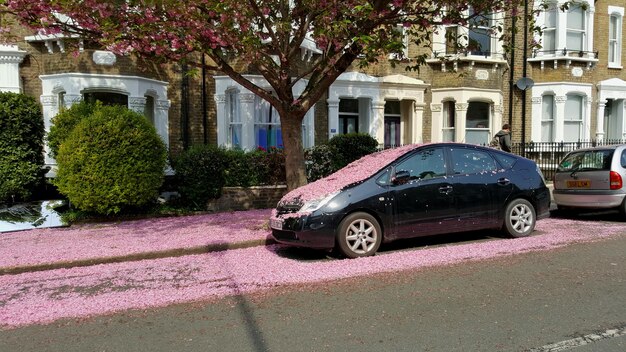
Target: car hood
{"x": 354, "y": 172}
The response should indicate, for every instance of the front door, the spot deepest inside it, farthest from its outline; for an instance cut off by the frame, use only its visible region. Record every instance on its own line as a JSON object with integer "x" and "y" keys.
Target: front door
{"x": 392, "y": 132}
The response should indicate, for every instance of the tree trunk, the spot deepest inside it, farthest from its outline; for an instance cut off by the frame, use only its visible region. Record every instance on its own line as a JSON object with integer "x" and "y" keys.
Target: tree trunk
{"x": 294, "y": 154}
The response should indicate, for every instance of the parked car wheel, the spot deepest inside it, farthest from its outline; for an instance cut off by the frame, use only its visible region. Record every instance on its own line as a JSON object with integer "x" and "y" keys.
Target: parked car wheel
{"x": 359, "y": 235}
{"x": 519, "y": 218}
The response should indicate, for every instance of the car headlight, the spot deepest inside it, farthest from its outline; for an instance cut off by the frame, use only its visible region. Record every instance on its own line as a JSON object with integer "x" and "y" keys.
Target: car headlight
{"x": 316, "y": 204}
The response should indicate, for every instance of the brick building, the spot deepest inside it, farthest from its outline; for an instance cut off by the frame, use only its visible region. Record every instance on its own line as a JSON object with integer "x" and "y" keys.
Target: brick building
{"x": 579, "y": 89}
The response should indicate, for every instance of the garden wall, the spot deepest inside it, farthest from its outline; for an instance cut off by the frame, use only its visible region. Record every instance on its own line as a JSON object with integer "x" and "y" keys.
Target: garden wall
{"x": 245, "y": 198}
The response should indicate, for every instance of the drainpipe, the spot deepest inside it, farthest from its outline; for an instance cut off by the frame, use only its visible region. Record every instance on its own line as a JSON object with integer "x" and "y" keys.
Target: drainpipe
{"x": 184, "y": 106}
{"x": 525, "y": 64}
{"x": 512, "y": 71}
{"x": 204, "y": 104}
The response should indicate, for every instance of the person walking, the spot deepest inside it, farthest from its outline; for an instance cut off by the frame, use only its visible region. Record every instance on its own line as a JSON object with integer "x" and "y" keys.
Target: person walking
{"x": 504, "y": 138}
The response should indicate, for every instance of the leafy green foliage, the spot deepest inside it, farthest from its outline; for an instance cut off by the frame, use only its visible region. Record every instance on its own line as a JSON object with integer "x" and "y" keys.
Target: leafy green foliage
{"x": 21, "y": 146}
{"x": 112, "y": 160}
{"x": 65, "y": 121}
{"x": 322, "y": 160}
{"x": 350, "y": 147}
{"x": 199, "y": 174}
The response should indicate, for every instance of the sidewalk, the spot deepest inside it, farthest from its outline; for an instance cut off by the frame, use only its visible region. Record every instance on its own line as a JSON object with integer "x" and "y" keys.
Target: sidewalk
{"x": 83, "y": 245}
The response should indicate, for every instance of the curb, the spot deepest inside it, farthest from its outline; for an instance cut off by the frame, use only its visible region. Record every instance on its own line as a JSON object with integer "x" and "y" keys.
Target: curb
{"x": 177, "y": 252}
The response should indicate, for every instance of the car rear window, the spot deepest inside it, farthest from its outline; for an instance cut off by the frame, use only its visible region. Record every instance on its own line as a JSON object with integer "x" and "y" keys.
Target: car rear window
{"x": 590, "y": 160}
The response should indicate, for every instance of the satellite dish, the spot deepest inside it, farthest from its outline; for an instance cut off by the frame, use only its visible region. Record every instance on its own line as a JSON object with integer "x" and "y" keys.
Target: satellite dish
{"x": 524, "y": 83}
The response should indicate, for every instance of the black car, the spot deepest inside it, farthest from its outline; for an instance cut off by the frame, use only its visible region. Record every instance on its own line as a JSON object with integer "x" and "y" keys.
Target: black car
{"x": 412, "y": 191}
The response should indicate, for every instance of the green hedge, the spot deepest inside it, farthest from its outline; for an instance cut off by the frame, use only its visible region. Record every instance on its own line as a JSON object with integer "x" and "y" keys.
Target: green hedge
{"x": 21, "y": 146}
{"x": 112, "y": 160}
{"x": 202, "y": 171}
{"x": 324, "y": 159}
{"x": 199, "y": 174}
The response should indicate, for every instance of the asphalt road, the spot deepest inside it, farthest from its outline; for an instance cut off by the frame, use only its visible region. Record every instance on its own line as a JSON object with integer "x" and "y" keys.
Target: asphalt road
{"x": 528, "y": 302}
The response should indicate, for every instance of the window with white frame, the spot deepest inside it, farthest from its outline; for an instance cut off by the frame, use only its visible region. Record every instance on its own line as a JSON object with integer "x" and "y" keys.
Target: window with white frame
{"x": 233, "y": 118}
{"x": 576, "y": 28}
{"x": 267, "y": 131}
{"x": 449, "y": 117}
{"x": 550, "y": 28}
{"x": 616, "y": 15}
{"x": 547, "y": 118}
{"x": 477, "y": 122}
{"x": 572, "y": 129}
{"x": 480, "y": 39}
{"x": 348, "y": 116}
{"x": 565, "y": 32}
{"x": 401, "y": 31}
{"x": 476, "y": 39}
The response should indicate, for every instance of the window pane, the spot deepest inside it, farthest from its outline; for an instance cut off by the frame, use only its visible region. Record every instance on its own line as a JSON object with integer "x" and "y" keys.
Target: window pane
{"x": 349, "y": 105}
{"x": 547, "y": 103}
{"x": 392, "y": 107}
{"x": 551, "y": 17}
{"x": 549, "y": 41}
{"x": 547, "y": 131}
{"x": 574, "y": 41}
{"x": 613, "y": 28}
{"x": 467, "y": 161}
{"x": 424, "y": 164}
{"x": 574, "y": 108}
{"x": 571, "y": 131}
{"x": 576, "y": 18}
{"x": 477, "y": 115}
{"x": 480, "y": 41}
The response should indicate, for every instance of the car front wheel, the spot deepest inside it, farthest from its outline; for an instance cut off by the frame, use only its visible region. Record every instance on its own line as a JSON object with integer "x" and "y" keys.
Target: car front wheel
{"x": 519, "y": 218}
{"x": 359, "y": 235}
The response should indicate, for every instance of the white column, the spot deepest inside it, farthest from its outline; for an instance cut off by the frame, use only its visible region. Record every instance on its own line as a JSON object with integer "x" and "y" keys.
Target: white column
{"x": 459, "y": 122}
{"x": 222, "y": 124}
{"x": 247, "y": 121}
{"x": 417, "y": 123}
{"x": 559, "y": 118}
{"x": 10, "y": 59}
{"x": 587, "y": 119}
{"x": 600, "y": 120}
{"x": 333, "y": 118}
{"x": 623, "y": 119}
{"x": 436, "y": 132}
{"x": 50, "y": 108}
{"x": 377, "y": 126}
{"x": 161, "y": 122}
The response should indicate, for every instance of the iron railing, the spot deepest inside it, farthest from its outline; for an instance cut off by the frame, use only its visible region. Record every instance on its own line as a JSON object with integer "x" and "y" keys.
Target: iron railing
{"x": 547, "y": 155}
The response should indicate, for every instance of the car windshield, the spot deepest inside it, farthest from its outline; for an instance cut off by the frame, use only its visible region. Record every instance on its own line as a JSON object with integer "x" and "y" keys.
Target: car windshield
{"x": 590, "y": 160}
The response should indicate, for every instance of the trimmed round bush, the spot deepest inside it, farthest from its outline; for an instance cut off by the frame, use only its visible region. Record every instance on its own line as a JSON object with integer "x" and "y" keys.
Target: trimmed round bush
{"x": 112, "y": 160}
{"x": 21, "y": 146}
{"x": 199, "y": 174}
{"x": 65, "y": 121}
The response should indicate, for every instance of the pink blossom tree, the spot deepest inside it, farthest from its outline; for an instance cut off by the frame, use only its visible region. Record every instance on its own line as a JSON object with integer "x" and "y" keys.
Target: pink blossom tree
{"x": 258, "y": 36}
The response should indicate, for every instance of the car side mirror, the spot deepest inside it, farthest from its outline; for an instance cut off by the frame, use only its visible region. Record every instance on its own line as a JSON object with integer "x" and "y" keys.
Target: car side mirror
{"x": 401, "y": 177}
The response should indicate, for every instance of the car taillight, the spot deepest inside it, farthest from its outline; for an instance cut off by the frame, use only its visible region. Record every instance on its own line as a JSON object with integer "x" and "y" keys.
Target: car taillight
{"x": 616, "y": 180}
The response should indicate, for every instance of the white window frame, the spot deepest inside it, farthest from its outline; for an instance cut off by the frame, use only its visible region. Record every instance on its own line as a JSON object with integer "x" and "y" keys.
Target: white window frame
{"x": 233, "y": 117}
{"x": 615, "y": 36}
{"x": 496, "y": 51}
{"x": 448, "y": 132}
{"x": 246, "y": 108}
{"x": 547, "y": 117}
{"x": 405, "y": 42}
{"x": 560, "y": 50}
{"x": 574, "y": 116}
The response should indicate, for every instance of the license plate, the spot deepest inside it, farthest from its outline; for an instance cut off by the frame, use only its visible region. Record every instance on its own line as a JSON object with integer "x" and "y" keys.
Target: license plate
{"x": 579, "y": 184}
{"x": 276, "y": 224}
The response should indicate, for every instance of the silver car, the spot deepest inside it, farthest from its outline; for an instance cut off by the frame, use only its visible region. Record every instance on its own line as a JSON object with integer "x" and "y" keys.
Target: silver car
{"x": 592, "y": 178}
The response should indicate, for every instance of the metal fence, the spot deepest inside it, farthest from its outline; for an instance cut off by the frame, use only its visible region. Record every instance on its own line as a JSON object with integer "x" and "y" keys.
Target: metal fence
{"x": 547, "y": 155}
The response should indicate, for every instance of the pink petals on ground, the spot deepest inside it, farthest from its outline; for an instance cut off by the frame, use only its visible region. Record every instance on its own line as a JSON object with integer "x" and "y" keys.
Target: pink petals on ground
{"x": 43, "y": 297}
{"x": 84, "y": 242}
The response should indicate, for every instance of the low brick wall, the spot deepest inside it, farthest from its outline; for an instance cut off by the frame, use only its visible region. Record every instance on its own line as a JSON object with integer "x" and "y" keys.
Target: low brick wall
{"x": 245, "y": 198}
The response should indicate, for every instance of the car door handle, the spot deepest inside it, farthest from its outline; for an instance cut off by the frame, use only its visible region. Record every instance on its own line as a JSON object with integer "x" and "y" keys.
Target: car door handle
{"x": 503, "y": 181}
{"x": 445, "y": 189}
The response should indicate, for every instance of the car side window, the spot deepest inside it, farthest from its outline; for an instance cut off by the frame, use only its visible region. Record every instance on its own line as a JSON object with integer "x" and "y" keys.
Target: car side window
{"x": 506, "y": 161}
{"x": 624, "y": 158}
{"x": 472, "y": 161}
{"x": 424, "y": 164}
